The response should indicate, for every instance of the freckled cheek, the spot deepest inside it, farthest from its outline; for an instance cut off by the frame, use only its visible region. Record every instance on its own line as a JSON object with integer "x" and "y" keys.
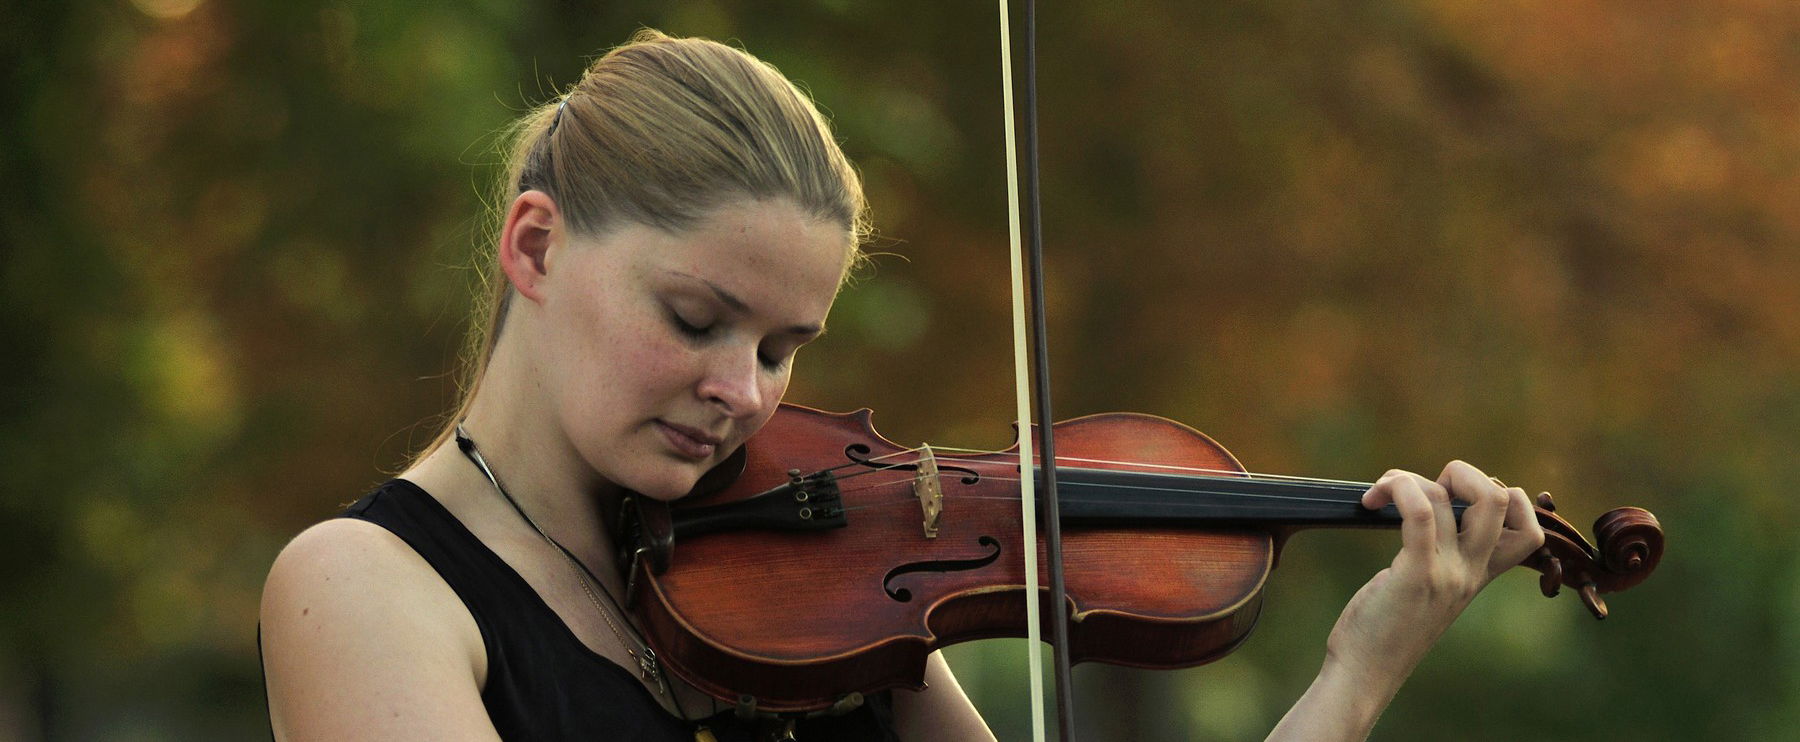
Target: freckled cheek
{"x": 659, "y": 362}
{"x": 617, "y": 360}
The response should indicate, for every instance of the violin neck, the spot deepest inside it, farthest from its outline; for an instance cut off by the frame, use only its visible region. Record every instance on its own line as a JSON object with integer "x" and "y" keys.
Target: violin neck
{"x": 1097, "y": 497}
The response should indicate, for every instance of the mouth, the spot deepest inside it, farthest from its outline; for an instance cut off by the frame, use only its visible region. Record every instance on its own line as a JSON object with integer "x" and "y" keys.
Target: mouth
{"x": 691, "y": 443}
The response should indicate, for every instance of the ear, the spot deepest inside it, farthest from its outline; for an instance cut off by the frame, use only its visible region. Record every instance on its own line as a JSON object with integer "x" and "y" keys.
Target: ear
{"x": 532, "y": 226}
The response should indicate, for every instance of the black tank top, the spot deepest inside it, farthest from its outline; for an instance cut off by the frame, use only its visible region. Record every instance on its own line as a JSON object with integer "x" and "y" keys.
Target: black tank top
{"x": 542, "y": 682}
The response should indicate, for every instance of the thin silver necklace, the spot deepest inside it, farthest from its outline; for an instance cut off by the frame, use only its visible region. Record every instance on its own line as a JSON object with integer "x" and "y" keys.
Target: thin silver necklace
{"x": 639, "y": 650}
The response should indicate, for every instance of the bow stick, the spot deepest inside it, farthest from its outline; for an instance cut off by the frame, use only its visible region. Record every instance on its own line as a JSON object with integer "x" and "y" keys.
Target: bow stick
{"x": 1040, "y": 385}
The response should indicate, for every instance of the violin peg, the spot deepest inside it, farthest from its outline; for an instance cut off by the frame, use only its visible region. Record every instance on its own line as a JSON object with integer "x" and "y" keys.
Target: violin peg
{"x": 1551, "y": 581}
{"x": 1546, "y": 502}
{"x": 1590, "y": 597}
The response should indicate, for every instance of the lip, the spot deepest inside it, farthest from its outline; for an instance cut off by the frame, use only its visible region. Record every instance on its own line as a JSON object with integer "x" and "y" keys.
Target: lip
{"x": 692, "y": 443}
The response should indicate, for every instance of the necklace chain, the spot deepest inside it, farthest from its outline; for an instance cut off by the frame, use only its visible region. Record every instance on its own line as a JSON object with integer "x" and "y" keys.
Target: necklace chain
{"x": 640, "y": 650}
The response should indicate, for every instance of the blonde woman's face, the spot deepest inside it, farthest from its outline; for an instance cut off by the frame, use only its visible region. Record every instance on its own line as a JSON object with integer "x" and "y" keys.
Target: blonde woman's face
{"x": 667, "y": 350}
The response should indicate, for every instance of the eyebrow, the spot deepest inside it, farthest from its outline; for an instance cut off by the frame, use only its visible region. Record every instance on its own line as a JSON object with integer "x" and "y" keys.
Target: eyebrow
{"x": 738, "y": 305}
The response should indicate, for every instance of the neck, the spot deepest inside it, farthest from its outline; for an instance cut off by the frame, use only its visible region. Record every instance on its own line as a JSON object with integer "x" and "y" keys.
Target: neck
{"x": 1100, "y": 496}
{"x": 518, "y": 434}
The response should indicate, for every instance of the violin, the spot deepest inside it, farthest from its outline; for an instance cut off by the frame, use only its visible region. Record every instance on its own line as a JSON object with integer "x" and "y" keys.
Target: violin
{"x": 822, "y": 561}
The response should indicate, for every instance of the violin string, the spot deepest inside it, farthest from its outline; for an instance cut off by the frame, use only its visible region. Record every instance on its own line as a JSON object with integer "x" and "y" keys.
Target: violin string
{"x": 882, "y": 504}
{"x": 1166, "y": 467}
{"x": 897, "y": 502}
{"x": 1227, "y": 472}
{"x": 1217, "y": 493}
{"x": 1171, "y": 490}
{"x": 874, "y": 469}
{"x": 907, "y": 500}
{"x": 1147, "y": 488}
{"x": 1344, "y": 485}
{"x": 1266, "y": 476}
{"x": 1340, "y": 485}
{"x": 896, "y": 460}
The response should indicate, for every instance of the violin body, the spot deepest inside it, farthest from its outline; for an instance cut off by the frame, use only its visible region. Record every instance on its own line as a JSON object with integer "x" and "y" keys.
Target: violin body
{"x": 862, "y": 580}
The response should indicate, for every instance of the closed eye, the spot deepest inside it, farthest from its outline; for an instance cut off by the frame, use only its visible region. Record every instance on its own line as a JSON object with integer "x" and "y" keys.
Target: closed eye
{"x": 774, "y": 364}
{"x": 788, "y": 344}
{"x": 687, "y": 328}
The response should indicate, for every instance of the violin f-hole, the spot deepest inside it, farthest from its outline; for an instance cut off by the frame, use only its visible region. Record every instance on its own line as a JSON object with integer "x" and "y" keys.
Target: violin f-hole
{"x": 904, "y": 595}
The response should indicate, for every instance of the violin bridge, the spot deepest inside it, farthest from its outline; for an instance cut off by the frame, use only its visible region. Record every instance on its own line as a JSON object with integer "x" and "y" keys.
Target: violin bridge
{"x": 928, "y": 489}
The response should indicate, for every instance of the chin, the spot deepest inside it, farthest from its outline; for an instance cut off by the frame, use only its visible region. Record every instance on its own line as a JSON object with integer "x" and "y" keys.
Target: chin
{"x": 670, "y": 483}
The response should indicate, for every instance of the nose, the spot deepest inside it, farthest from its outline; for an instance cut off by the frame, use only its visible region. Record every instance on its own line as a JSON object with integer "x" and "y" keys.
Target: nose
{"x": 733, "y": 382}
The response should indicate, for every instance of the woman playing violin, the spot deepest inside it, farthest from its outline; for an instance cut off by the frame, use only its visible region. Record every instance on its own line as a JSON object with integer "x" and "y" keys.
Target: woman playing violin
{"x": 674, "y": 229}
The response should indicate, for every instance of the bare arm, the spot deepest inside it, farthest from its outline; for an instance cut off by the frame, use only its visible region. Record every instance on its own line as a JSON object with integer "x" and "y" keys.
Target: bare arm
{"x": 1395, "y": 619}
{"x": 940, "y": 712}
{"x": 362, "y": 641}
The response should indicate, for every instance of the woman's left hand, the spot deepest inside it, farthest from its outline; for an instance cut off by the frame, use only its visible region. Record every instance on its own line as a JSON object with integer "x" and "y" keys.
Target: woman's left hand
{"x": 1394, "y": 619}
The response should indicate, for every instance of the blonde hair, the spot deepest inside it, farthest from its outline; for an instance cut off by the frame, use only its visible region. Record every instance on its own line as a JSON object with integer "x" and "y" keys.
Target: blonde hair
{"x": 660, "y": 131}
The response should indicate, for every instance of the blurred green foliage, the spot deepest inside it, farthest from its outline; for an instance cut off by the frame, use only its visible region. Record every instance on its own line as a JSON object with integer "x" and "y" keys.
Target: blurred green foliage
{"x": 1559, "y": 240}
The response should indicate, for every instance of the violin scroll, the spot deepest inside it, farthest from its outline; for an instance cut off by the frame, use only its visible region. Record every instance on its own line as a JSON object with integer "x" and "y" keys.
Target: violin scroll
{"x": 1630, "y": 546}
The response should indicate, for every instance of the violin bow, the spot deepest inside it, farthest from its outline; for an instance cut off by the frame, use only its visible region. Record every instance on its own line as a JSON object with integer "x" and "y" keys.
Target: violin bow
{"x": 1038, "y": 385}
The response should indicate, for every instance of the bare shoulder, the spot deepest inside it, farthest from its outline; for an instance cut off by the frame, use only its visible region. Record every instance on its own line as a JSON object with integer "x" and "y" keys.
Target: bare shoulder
{"x": 362, "y": 640}
{"x": 347, "y": 570}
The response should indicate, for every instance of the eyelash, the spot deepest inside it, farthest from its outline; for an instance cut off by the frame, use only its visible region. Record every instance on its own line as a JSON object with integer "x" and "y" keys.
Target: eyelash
{"x": 696, "y": 332}
{"x": 686, "y": 328}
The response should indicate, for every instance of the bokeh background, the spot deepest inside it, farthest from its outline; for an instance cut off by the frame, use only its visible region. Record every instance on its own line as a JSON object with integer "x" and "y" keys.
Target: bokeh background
{"x": 1561, "y": 240}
